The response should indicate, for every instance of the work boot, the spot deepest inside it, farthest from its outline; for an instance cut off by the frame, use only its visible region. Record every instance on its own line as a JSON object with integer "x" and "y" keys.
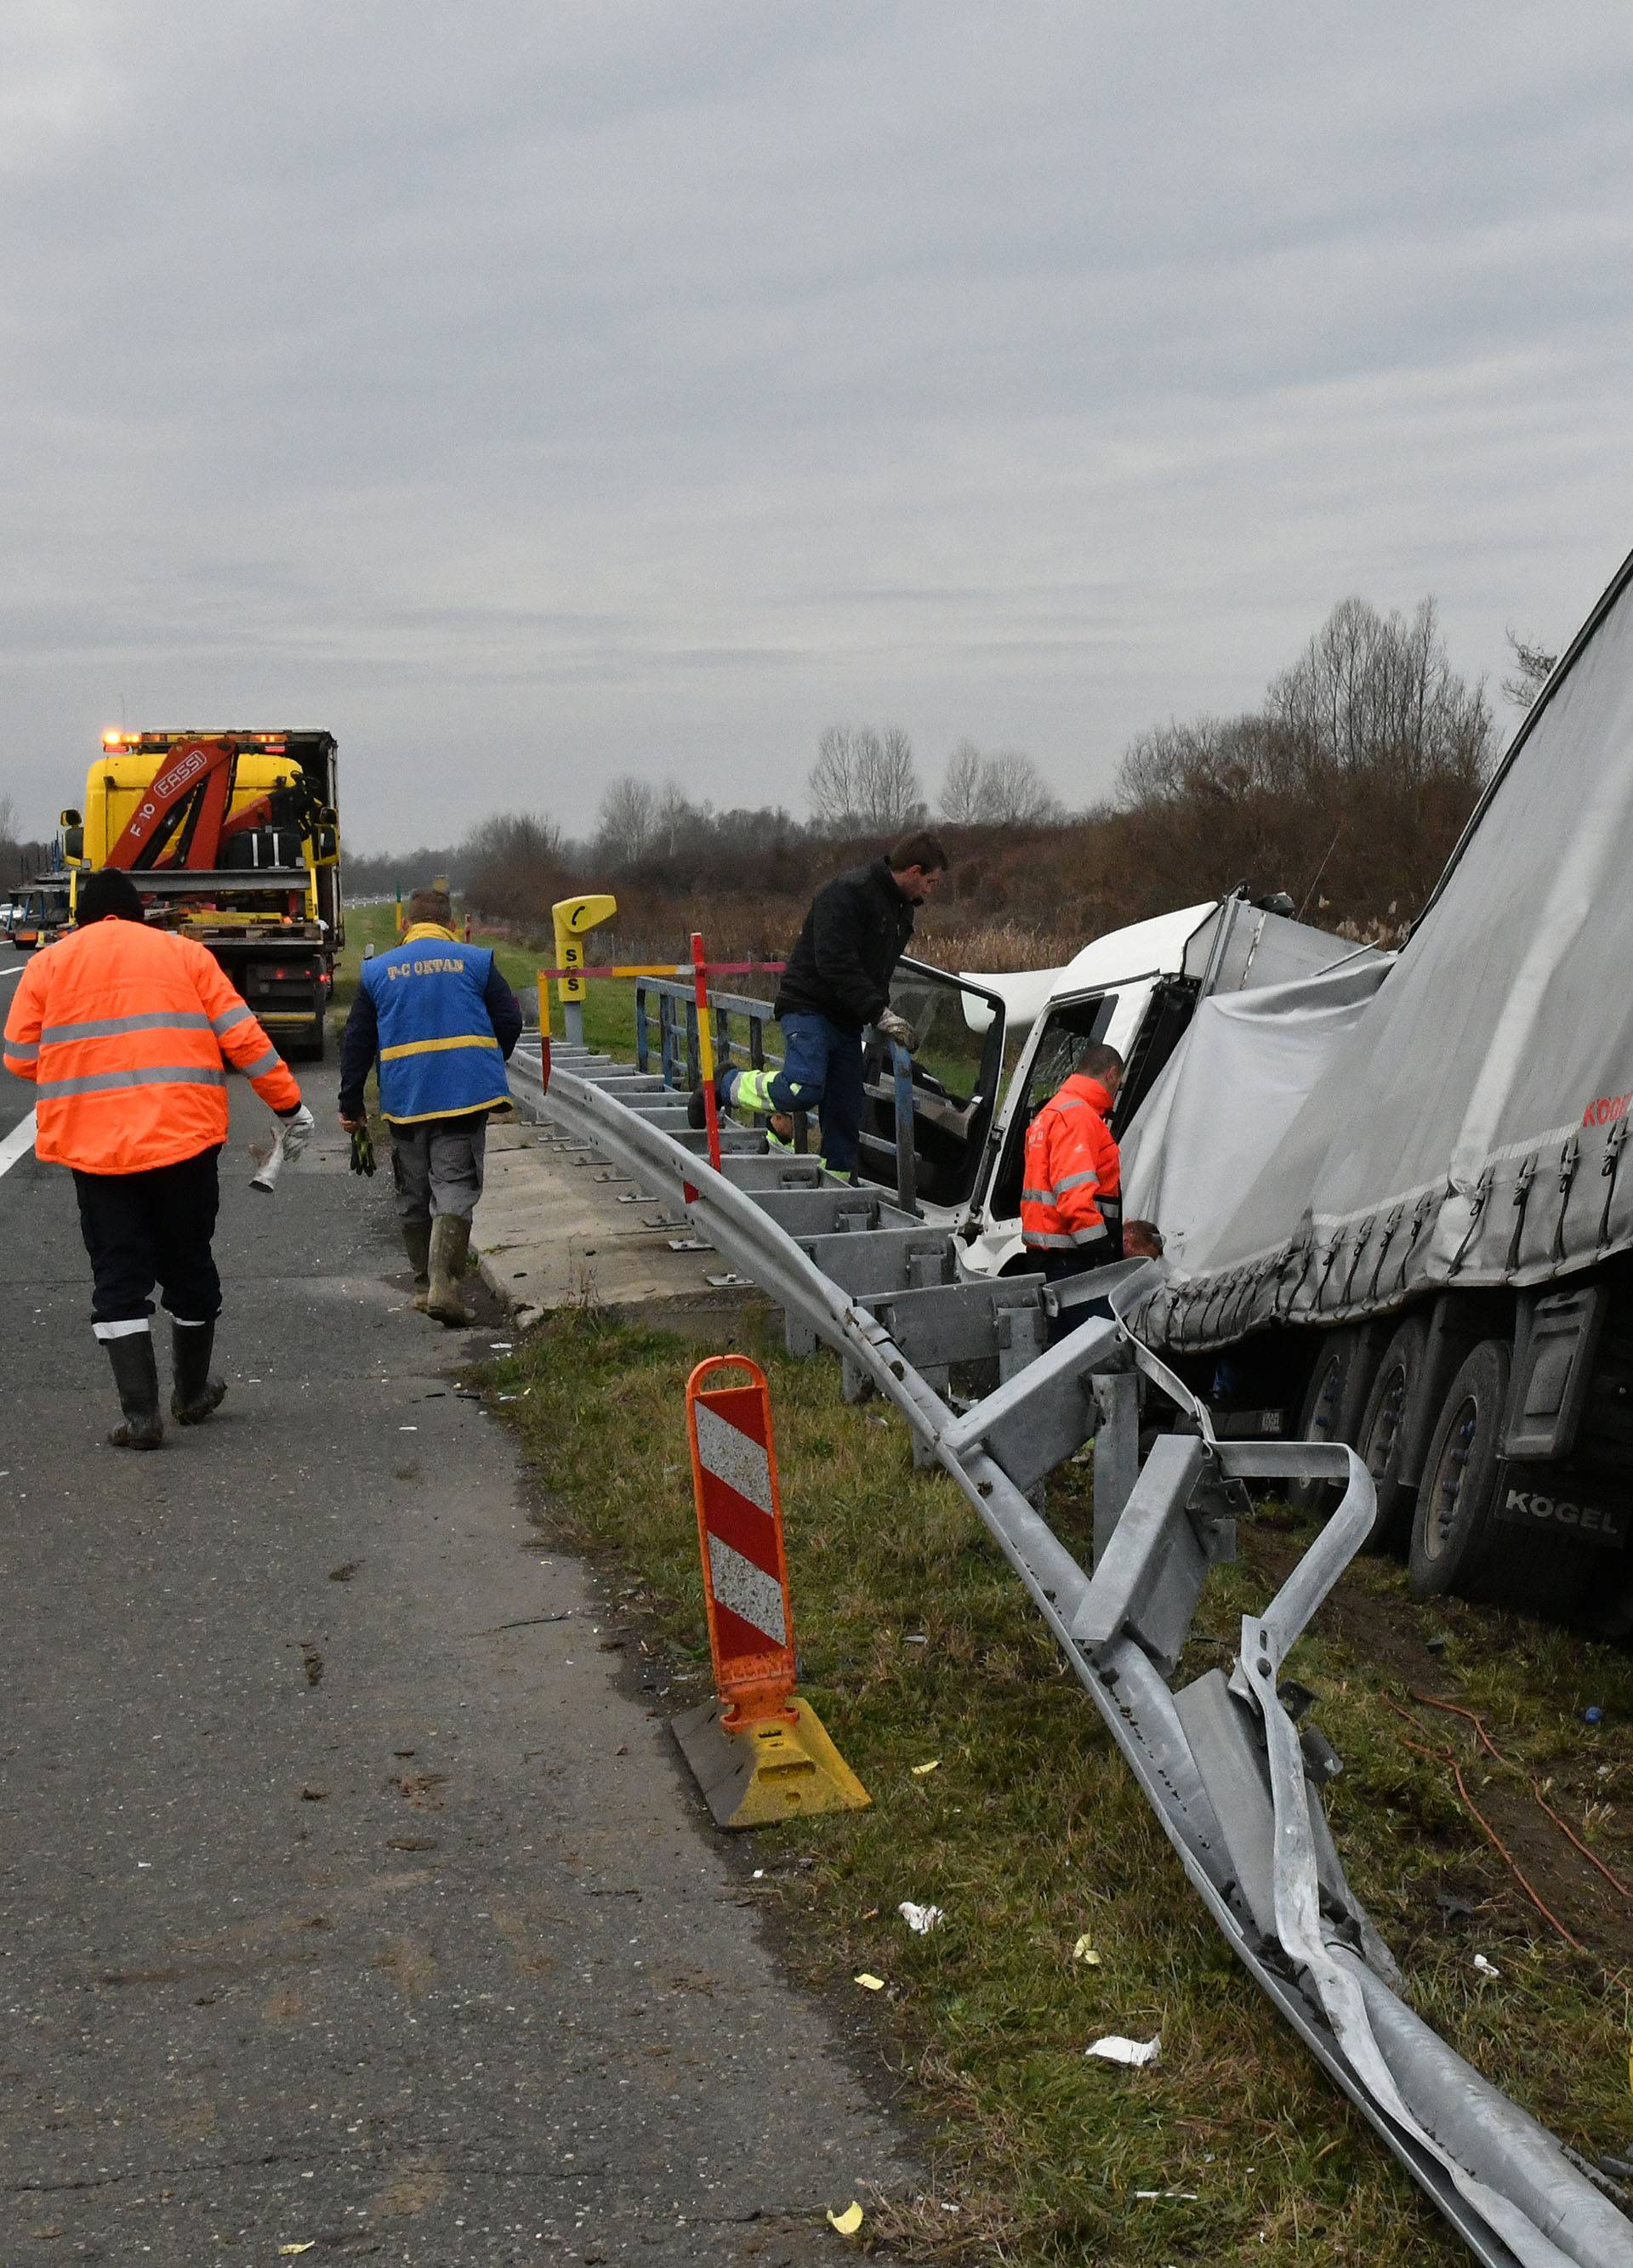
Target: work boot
{"x": 194, "y": 1395}
{"x": 450, "y": 1241}
{"x": 416, "y": 1244}
{"x": 136, "y": 1375}
{"x": 697, "y": 1108}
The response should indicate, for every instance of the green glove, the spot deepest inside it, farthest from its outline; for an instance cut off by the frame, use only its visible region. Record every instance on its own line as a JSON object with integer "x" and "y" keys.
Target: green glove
{"x": 362, "y": 1150}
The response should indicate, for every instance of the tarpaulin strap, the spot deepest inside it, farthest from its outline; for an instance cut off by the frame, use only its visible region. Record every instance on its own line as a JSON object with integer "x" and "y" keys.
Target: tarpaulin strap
{"x": 1364, "y": 1236}
{"x": 1613, "y": 1141}
{"x": 1390, "y": 1226}
{"x": 1476, "y": 1206}
{"x": 1523, "y": 1180}
{"x": 1569, "y": 1157}
{"x": 1295, "y": 1259}
{"x": 1327, "y": 1266}
{"x": 1423, "y": 1210}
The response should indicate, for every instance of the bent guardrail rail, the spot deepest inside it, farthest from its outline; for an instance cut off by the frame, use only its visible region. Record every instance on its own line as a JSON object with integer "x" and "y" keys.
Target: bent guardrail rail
{"x": 1227, "y": 1770}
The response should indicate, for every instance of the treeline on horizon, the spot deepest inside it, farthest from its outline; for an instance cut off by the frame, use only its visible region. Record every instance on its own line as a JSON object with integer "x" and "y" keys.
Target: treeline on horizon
{"x": 1346, "y": 788}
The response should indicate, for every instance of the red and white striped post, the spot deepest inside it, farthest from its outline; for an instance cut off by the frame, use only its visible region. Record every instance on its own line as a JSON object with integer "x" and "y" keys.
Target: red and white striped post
{"x": 745, "y": 1570}
{"x": 706, "y": 1047}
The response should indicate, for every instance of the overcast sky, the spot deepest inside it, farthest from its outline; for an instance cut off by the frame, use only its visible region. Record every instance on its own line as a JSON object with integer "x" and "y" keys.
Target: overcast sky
{"x": 529, "y": 393}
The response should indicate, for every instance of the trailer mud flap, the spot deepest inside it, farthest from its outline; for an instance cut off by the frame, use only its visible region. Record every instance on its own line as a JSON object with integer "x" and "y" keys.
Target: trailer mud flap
{"x": 1559, "y": 1504}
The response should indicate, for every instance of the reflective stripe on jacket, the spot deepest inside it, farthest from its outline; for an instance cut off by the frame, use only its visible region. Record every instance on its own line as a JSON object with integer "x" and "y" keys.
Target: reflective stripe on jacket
{"x": 124, "y": 1029}
{"x": 1072, "y": 1169}
{"x": 438, "y": 1054}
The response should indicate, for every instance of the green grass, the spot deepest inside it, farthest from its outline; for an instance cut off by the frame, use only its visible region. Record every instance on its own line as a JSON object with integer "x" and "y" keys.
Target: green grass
{"x": 609, "y": 1011}
{"x": 1030, "y": 1833}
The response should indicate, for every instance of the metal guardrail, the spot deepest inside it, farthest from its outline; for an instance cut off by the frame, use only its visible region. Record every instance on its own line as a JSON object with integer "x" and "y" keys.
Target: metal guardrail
{"x": 680, "y": 1058}
{"x": 1229, "y": 1773}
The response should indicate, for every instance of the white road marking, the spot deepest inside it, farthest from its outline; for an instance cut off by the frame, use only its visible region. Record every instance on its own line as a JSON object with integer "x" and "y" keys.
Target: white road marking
{"x": 17, "y": 971}
{"x": 17, "y": 1143}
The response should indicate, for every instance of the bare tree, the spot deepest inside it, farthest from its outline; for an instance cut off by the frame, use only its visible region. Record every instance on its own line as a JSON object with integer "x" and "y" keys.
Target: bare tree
{"x": 626, "y": 820}
{"x": 889, "y": 793}
{"x": 1013, "y": 793}
{"x": 1533, "y": 665}
{"x": 1378, "y": 693}
{"x": 831, "y": 784}
{"x": 673, "y": 818}
{"x": 513, "y": 865}
{"x": 961, "y": 788}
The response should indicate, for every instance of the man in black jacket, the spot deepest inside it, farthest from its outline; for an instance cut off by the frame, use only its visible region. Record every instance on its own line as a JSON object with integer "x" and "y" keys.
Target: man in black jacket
{"x": 837, "y": 981}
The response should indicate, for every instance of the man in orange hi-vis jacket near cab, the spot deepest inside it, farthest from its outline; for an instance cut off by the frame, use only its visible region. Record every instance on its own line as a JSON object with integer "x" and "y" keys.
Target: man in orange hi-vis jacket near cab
{"x": 124, "y": 1029}
{"x": 1071, "y": 1207}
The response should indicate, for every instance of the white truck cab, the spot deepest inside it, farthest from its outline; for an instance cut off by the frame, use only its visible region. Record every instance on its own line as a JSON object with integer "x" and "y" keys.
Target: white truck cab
{"x": 1135, "y": 989}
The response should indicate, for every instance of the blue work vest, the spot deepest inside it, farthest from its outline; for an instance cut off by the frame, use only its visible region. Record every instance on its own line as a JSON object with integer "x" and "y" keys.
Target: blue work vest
{"x": 438, "y": 1054}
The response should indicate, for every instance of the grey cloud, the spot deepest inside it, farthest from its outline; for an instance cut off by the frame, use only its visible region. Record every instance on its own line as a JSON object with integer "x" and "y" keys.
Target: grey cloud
{"x": 640, "y": 378}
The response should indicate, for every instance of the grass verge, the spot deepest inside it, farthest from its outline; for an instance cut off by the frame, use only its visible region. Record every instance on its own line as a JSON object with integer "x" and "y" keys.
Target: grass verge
{"x": 609, "y": 1009}
{"x": 919, "y": 1647}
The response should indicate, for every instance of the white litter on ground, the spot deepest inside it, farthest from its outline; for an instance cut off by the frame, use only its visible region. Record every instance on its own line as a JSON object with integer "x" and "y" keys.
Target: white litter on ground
{"x": 1115, "y": 2049}
{"x": 921, "y": 1919}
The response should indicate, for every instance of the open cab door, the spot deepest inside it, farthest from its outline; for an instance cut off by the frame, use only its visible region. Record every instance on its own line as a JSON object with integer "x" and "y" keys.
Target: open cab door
{"x": 958, "y": 1070}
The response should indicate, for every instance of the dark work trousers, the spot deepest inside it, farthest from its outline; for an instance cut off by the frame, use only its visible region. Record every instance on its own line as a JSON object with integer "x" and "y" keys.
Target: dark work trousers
{"x": 822, "y": 1070}
{"x": 143, "y": 1229}
{"x": 1059, "y": 1268}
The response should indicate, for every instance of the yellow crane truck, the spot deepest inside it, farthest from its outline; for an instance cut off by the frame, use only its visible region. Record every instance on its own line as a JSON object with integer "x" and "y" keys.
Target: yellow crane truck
{"x": 232, "y": 838}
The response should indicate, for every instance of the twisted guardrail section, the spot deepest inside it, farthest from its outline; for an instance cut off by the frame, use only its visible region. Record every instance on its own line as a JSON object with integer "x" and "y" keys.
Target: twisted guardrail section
{"x": 1232, "y": 1776}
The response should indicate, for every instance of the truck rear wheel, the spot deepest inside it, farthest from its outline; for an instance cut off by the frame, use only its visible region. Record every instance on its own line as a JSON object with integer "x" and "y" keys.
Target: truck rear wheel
{"x": 1380, "y": 1438}
{"x": 1333, "y": 1404}
{"x": 1452, "y": 1539}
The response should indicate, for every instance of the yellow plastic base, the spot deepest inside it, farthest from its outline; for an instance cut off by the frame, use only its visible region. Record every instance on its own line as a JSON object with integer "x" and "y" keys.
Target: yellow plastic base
{"x": 772, "y": 1772}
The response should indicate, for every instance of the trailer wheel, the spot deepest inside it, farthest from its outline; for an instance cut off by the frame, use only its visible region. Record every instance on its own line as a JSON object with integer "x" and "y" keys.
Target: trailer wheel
{"x": 319, "y": 1036}
{"x": 1452, "y": 1539}
{"x": 1332, "y": 1403}
{"x": 1381, "y": 1435}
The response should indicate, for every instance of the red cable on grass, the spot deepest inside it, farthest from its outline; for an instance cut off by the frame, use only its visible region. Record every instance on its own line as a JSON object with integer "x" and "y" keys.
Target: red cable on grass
{"x": 1445, "y": 1756}
{"x": 1456, "y": 1709}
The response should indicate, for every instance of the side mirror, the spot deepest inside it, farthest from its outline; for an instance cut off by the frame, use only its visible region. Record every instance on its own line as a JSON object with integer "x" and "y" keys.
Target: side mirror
{"x": 69, "y": 819}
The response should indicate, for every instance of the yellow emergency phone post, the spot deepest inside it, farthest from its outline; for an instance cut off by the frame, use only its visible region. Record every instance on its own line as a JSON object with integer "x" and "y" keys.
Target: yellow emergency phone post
{"x": 572, "y": 919}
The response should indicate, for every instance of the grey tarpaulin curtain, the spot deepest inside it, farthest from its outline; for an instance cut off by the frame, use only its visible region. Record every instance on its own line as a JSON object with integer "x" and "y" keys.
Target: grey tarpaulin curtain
{"x": 1465, "y": 1122}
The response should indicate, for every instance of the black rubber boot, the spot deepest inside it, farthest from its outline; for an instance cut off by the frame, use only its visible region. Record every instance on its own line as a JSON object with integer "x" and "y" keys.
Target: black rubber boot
{"x": 136, "y": 1375}
{"x": 195, "y": 1395}
{"x": 697, "y": 1108}
{"x": 416, "y": 1244}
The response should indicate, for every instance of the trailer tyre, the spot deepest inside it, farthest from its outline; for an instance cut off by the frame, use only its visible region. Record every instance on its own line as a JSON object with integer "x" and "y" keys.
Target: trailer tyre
{"x": 1453, "y": 1542}
{"x": 1333, "y": 1404}
{"x": 1380, "y": 1438}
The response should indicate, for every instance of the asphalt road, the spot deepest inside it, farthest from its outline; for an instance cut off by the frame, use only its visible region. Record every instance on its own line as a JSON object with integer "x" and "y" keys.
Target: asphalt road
{"x": 347, "y": 1901}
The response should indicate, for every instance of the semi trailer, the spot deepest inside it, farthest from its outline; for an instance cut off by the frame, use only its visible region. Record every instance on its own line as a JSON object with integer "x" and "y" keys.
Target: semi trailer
{"x": 1396, "y": 1194}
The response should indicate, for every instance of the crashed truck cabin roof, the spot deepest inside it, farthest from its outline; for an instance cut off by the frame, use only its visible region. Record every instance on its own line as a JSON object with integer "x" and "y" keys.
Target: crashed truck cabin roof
{"x": 1466, "y": 1125}
{"x": 1146, "y": 948}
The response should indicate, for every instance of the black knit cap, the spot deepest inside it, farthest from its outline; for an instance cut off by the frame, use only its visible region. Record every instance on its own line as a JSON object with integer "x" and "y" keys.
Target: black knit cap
{"x": 104, "y": 893}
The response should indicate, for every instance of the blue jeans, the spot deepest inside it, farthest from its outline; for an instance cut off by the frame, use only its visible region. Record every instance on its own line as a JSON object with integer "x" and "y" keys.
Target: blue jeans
{"x": 822, "y": 1070}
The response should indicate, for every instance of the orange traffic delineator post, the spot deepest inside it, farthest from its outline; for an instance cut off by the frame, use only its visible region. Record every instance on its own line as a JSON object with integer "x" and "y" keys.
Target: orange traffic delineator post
{"x": 758, "y": 1751}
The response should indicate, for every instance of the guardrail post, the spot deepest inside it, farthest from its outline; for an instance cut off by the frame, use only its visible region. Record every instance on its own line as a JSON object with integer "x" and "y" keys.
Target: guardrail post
{"x": 1116, "y": 1451}
{"x": 642, "y": 1051}
{"x": 907, "y": 1164}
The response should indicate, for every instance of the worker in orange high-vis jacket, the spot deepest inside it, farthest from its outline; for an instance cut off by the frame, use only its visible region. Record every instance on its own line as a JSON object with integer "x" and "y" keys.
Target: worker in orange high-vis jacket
{"x": 1071, "y": 1205}
{"x": 124, "y": 1029}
